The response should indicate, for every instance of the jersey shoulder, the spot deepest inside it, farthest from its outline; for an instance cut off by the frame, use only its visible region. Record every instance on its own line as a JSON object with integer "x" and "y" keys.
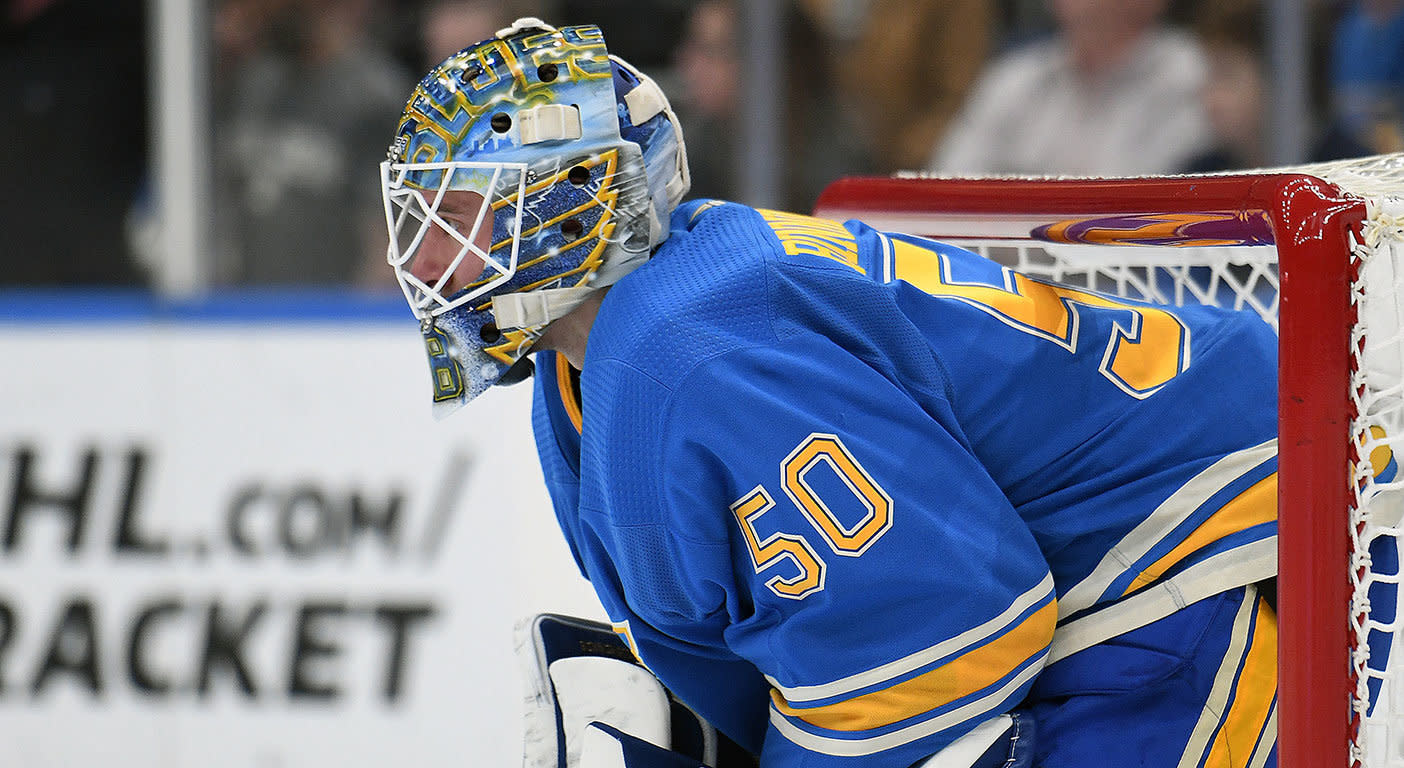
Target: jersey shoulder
{"x": 725, "y": 278}
{"x": 702, "y": 292}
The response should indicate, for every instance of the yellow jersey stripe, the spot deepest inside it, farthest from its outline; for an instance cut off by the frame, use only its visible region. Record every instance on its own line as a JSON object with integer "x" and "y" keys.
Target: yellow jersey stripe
{"x": 1207, "y": 728}
{"x": 961, "y": 677}
{"x": 1256, "y": 505}
{"x": 1255, "y": 692}
{"x": 570, "y": 399}
{"x": 975, "y": 710}
{"x": 912, "y": 662}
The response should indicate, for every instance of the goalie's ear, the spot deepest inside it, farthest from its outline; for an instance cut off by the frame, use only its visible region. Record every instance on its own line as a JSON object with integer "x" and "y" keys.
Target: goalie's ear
{"x": 579, "y": 672}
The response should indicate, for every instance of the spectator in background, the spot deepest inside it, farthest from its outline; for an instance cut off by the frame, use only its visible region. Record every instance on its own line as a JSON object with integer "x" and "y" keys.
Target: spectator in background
{"x": 919, "y": 59}
{"x": 73, "y": 139}
{"x": 708, "y": 69}
{"x": 1235, "y": 93}
{"x": 303, "y": 117}
{"x": 646, "y": 33}
{"x": 821, "y": 144}
{"x": 1116, "y": 92}
{"x": 1367, "y": 74}
{"x": 448, "y": 25}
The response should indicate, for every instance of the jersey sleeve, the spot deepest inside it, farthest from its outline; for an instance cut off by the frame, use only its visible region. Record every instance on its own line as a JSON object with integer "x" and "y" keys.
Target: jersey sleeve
{"x": 797, "y": 538}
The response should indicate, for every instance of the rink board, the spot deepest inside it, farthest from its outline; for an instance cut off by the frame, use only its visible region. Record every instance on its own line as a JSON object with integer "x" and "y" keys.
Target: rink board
{"x": 232, "y": 534}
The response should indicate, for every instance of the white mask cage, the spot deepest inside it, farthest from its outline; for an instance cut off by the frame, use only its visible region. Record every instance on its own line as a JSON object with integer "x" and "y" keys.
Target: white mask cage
{"x": 437, "y": 231}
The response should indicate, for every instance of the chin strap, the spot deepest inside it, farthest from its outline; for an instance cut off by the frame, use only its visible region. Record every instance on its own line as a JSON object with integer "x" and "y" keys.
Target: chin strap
{"x": 536, "y": 308}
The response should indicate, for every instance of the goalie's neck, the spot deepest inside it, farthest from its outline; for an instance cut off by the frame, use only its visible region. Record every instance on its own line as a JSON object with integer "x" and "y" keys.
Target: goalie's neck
{"x": 569, "y": 334}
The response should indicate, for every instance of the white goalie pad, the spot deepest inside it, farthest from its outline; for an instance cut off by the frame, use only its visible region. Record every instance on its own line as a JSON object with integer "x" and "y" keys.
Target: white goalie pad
{"x": 579, "y": 673}
{"x": 597, "y": 689}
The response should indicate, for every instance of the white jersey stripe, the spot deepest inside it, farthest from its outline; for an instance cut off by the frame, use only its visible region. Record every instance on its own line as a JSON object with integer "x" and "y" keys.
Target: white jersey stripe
{"x": 1151, "y": 531}
{"x": 1238, "y": 566}
{"x": 1267, "y": 742}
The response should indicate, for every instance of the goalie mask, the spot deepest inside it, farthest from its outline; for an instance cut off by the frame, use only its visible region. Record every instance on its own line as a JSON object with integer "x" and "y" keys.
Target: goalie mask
{"x": 528, "y": 171}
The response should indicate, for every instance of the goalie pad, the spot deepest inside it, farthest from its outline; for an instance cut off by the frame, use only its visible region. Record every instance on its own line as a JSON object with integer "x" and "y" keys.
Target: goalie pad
{"x": 578, "y": 672}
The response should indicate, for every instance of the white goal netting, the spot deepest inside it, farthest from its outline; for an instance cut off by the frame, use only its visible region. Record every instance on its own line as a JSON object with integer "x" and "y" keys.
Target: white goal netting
{"x": 1377, "y": 392}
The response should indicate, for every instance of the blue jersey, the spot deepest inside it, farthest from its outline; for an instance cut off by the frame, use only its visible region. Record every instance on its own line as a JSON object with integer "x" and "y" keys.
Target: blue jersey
{"x": 848, "y": 492}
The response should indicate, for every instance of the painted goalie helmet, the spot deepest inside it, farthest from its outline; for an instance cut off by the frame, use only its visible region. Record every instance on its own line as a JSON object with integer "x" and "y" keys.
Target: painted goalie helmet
{"x": 528, "y": 171}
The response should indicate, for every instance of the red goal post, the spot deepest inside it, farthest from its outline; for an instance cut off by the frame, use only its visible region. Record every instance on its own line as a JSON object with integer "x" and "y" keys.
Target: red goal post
{"x": 1186, "y": 238}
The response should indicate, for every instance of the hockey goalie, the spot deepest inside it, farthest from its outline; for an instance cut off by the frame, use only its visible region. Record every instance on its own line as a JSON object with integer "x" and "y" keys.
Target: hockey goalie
{"x": 849, "y": 497}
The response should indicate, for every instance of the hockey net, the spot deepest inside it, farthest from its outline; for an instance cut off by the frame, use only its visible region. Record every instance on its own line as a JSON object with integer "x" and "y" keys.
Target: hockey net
{"x": 1315, "y": 251}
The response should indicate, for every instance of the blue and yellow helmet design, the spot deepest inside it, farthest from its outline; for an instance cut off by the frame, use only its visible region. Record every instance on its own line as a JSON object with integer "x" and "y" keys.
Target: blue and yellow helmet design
{"x": 527, "y": 172}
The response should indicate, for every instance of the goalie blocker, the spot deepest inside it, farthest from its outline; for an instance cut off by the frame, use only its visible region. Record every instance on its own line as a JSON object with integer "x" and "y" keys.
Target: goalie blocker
{"x": 590, "y": 703}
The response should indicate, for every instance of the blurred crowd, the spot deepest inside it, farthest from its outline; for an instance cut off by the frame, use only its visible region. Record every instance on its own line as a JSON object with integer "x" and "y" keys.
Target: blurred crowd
{"x": 305, "y": 93}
